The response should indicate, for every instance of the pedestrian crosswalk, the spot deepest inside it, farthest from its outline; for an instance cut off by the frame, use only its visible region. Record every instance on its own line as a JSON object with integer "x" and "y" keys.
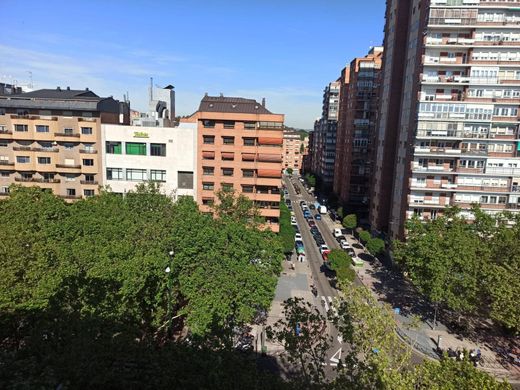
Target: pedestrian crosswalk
{"x": 328, "y": 304}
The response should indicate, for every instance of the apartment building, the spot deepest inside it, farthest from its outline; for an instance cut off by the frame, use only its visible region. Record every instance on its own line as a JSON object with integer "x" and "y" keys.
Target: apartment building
{"x": 166, "y": 155}
{"x": 308, "y": 156}
{"x": 456, "y": 139}
{"x": 293, "y": 149}
{"x": 51, "y": 138}
{"x": 356, "y": 131}
{"x": 239, "y": 148}
{"x": 324, "y": 139}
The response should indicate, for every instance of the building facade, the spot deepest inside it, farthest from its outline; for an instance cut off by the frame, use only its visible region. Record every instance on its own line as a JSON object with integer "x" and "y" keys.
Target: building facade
{"x": 293, "y": 151}
{"x": 52, "y": 139}
{"x": 457, "y": 139}
{"x": 161, "y": 108}
{"x": 324, "y": 139}
{"x": 239, "y": 148}
{"x": 166, "y": 155}
{"x": 356, "y": 131}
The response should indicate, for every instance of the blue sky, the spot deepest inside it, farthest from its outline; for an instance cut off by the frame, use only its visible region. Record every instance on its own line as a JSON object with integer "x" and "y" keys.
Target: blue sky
{"x": 285, "y": 50}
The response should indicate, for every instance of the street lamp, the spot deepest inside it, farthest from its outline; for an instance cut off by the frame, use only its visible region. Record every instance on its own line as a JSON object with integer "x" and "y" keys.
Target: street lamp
{"x": 168, "y": 270}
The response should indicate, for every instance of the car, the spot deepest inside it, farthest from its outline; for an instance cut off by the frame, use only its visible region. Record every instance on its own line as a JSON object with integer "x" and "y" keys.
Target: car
{"x": 317, "y": 217}
{"x": 289, "y": 206}
{"x": 296, "y": 229}
{"x": 292, "y": 214}
{"x": 351, "y": 252}
{"x": 314, "y": 230}
{"x": 344, "y": 245}
{"x": 319, "y": 241}
{"x": 302, "y": 202}
{"x": 311, "y": 222}
{"x": 324, "y": 248}
{"x": 340, "y": 238}
{"x": 297, "y": 237}
{"x": 293, "y": 222}
{"x": 337, "y": 232}
{"x": 311, "y": 206}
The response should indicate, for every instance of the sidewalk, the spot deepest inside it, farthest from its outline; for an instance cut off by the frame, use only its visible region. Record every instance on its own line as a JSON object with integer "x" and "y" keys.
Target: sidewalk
{"x": 423, "y": 339}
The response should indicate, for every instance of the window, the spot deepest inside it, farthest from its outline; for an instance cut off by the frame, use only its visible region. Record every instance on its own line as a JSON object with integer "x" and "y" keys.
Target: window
{"x": 68, "y": 146}
{"x": 68, "y": 131}
{"x": 208, "y": 124}
{"x": 208, "y": 171}
{"x": 208, "y": 186}
{"x": 88, "y": 162}
{"x": 42, "y": 129}
{"x": 247, "y": 189}
{"x": 229, "y": 124}
{"x": 113, "y": 147}
{"x": 86, "y": 130}
{"x": 249, "y": 141}
{"x": 5, "y": 174}
{"x": 136, "y": 174}
{"x": 4, "y": 190}
{"x": 228, "y": 140}
{"x": 4, "y": 144}
{"x": 114, "y": 174}
{"x": 70, "y": 177}
{"x": 67, "y": 113}
{"x": 88, "y": 193}
{"x": 86, "y": 114}
{"x": 248, "y": 173}
{"x": 136, "y": 148}
{"x": 185, "y": 180}
{"x": 23, "y": 159}
{"x": 227, "y": 187}
{"x": 89, "y": 178}
{"x": 23, "y": 128}
{"x": 44, "y": 160}
{"x": 208, "y": 139}
{"x": 71, "y": 192}
{"x": 158, "y": 150}
{"x": 227, "y": 171}
{"x": 250, "y": 125}
{"x": 207, "y": 201}
{"x": 158, "y": 175}
{"x": 49, "y": 177}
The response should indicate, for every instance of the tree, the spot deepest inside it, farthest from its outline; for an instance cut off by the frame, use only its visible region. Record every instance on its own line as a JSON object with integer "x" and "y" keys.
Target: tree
{"x": 238, "y": 208}
{"x": 376, "y": 246}
{"x": 340, "y": 263}
{"x": 286, "y": 230}
{"x": 350, "y": 222}
{"x": 289, "y": 171}
{"x": 364, "y": 236}
{"x": 302, "y": 332}
{"x": 340, "y": 212}
{"x": 311, "y": 179}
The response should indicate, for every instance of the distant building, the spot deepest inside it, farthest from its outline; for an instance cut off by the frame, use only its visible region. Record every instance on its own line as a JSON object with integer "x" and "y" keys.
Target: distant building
{"x": 239, "y": 148}
{"x": 324, "y": 139}
{"x": 293, "y": 149}
{"x": 161, "y": 108}
{"x": 51, "y": 138}
{"x": 135, "y": 154}
{"x": 356, "y": 131}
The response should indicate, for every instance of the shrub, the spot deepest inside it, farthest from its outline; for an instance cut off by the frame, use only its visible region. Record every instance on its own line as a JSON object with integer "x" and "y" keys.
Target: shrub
{"x": 364, "y": 236}
{"x": 375, "y": 246}
{"x": 350, "y": 221}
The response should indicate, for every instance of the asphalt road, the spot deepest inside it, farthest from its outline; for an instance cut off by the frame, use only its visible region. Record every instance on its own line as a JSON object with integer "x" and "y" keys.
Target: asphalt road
{"x": 315, "y": 260}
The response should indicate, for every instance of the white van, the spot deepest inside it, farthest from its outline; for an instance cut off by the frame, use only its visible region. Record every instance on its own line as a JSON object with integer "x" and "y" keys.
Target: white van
{"x": 337, "y": 232}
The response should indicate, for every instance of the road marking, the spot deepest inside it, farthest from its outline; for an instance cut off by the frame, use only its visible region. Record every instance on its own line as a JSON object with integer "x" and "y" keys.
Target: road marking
{"x": 335, "y": 358}
{"x": 325, "y": 304}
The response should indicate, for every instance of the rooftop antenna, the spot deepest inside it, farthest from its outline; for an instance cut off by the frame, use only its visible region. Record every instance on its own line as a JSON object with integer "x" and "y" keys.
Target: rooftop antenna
{"x": 151, "y": 88}
{"x": 30, "y": 79}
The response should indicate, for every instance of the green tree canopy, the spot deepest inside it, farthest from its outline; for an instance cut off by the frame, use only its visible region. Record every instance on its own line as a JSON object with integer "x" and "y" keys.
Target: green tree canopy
{"x": 350, "y": 221}
{"x": 376, "y": 246}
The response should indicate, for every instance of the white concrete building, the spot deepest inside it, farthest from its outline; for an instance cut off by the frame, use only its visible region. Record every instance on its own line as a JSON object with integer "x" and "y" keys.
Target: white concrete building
{"x": 133, "y": 154}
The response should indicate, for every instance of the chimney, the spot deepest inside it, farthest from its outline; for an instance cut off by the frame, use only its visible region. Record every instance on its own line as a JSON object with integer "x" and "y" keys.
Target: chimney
{"x": 68, "y": 88}
{"x": 206, "y": 94}
{"x": 221, "y": 94}
{"x": 263, "y": 102}
{"x": 86, "y": 89}
{"x": 58, "y": 89}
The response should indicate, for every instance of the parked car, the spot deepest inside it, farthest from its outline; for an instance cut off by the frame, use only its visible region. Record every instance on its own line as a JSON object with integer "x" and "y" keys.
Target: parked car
{"x": 311, "y": 222}
{"x": 297, "y": 237}
{"x": 344, "y": 245}
{"x": 324, "y": 248}
{"x": 340, "y": 238}
{"x": 323, "y": 209}
{"x": 293, "y": 222}
{"x": 337, "y": 232}
{"x": 317, "y": 217}
{"x": 311, "y": 206}
{"x": 289, "y": 206}
{"x": 296, "y": 229}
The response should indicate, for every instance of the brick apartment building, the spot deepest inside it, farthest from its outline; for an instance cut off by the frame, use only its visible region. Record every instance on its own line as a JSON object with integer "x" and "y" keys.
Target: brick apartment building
{"x": 293, "y": 151}
{"x": 448, "y": 126}
{"x": 239, "y": 148}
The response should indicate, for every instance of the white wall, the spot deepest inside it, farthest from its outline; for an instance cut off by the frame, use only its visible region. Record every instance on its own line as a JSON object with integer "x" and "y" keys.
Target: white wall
{"x": 181, "y": 145}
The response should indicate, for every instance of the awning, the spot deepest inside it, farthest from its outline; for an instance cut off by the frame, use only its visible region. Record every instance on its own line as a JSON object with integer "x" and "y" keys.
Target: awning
{"x": 269, "y": 173}
{"x": 270, "y": 141}
{"x": 248, "y": 157}
{"x": 208, "y": 154}
{"x": 269, "y": 157}
{"x": 228, "y": 155}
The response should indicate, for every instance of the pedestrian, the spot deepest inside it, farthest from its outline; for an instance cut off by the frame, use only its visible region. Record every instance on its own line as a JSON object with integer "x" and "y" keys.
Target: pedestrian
{"x": 292, "y": 266}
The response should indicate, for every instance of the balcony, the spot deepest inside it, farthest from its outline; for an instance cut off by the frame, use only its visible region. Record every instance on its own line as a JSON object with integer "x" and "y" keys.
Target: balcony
{"x": 89, "y": 182}
{"x": 46, "y": 150}
{"x": 88, "y": 151}
{"x": 22, "y": 148}
{"x": 73, "y": 135}
{"x": 70, "y": 196}
{"x": 23, "y": 179}
{"x": 68, "y": 166}
{"x": 5, "y": 131}
{"x": 6, "y": 162}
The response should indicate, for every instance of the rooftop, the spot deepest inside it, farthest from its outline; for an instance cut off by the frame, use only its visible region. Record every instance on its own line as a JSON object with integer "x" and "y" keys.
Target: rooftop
{"x": 60, "y": 94}
{"x": 232, "y": 104}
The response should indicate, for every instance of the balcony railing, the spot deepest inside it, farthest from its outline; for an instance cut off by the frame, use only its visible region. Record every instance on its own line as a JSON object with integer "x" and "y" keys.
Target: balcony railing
{"x": 88, "y": 151}
{"x": 90, "y": 182}
{"x": 76, "y": 135}
{"x": 68, "y": 166}
{"x": 6, "y": 162}
{"x": 22, "y": 148}
{"x": 5, "y": 131}
{"x": 70, "y": 196}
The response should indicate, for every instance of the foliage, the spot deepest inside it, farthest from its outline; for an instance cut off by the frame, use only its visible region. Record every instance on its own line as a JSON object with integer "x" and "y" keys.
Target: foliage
{"x": 289, "y": 171}
{"x": 311, "y": 179}
{"x": 340, "y": 263}
{"x": 236, "y": 208}
{"x": 364, "y": 236}
{"x": 77, "y": 278}
{"x": 376, "y": 246}
{"x": 286, "y": 230}
{"x": 340, "y": 212}
{"x": 307, "y": 348}
{"x": 350, "y": 221}
{"x": 463, "y": 265}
